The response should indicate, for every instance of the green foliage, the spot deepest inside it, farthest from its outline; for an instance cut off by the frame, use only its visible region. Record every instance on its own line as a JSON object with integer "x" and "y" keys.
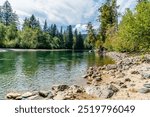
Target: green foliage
{"x": 45, "y": 28}
{"x": 69, "y": 37}
{"x": 78, "y": 40}
{"x": 134, "y": 30}
{"x": 29, "y": 38}
{"x": 108, "y": 17}
{"x": 32, "y": 22}
{"x": 91, "y": 37}
{"x": 31, "y": 35}
{"x": 8, "y": 35}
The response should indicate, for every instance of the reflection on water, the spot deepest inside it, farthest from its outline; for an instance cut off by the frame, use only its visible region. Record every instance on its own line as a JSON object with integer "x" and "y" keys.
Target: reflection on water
{"x": 24, "y": 71}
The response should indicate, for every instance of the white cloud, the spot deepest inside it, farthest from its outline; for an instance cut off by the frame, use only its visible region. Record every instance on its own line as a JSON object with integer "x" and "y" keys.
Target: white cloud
{"x": 125, "y": 4}
{"x": 56, "y": 11}
{"x": 63, "y": 12}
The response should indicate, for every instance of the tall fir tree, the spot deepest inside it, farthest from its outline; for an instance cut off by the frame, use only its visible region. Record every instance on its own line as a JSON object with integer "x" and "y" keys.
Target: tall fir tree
{"x": 61, "y": 38}
{"x": 33, "y": 22}
{"x": 7, "y": 14}
{"x": 75, "y": 39}
{"x": 45, "y": 28}
{"x": 80, "y": 41}
{"x": 91, "y": 35}
{"x": 108, "y": 17}
{"x": 69, "y": 38}
{"x": 0, "y": 14}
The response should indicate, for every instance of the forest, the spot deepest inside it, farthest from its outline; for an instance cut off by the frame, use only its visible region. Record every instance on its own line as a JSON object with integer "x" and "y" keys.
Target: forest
{"x": 32, "y": 35}
{"x": 129, "y": 34}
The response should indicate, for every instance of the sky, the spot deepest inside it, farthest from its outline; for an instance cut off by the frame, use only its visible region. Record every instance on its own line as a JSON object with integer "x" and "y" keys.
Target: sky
{"x": 64, "y": 12}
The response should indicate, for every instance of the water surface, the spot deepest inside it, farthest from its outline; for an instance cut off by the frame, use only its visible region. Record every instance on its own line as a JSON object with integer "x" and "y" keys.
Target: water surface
{"x": 39, "y": 70}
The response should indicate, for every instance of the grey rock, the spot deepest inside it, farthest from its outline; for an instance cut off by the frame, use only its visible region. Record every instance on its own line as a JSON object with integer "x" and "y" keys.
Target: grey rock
{"x": 35, "y": 97}
{"x": 147, "y": 85}
{"x": 27, "y": 94}
{"x": 113, "y": 88}
{"x": 128, "y": 61}
{"x": 146, "y": 75}
{"x": 43, "y": 93}
{"x": 60, "y": 87}
{"x": 126, "y": 67}
{"x": 111, "y": 67}
{"x": 101, "y": 91}
{"x": 107, "y": 94}
{"x": 60, "y": 96}
{"x": 144, "y": 90}
{"x": 13, "y": 95}
{"x": 94, "y": 91}
{"x": 50, "y": 95}
{"x": 77, "y": 89}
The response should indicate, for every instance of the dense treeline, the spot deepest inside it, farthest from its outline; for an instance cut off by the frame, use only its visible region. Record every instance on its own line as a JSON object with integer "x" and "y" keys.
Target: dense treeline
{"x": 32, "y": 35}
{"x": 130, "y": 35}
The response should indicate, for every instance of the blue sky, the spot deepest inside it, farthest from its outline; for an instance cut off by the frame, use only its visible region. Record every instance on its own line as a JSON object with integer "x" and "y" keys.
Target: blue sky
{"x": 63, "y": 12}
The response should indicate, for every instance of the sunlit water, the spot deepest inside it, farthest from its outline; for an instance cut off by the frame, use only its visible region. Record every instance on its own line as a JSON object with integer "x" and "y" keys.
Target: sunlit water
{"x": 29, "y": 71}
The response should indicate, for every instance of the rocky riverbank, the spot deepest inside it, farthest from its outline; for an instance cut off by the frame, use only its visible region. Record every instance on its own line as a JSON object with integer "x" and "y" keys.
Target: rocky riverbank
{"x": 128, "y": 78}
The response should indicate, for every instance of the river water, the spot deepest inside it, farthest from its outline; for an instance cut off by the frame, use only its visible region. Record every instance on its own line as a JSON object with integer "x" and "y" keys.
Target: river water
{"x": 38, "y": 70}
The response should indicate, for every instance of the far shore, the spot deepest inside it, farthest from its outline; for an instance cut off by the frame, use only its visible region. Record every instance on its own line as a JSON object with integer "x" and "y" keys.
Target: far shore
{"x": 24, "y": 50}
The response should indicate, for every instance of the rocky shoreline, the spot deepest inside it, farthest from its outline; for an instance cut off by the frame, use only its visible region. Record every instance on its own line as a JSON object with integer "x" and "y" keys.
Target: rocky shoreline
{"x": 128, "y": 78}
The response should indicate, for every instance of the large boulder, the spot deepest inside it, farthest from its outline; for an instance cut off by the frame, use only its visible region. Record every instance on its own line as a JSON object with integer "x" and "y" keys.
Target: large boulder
{"x": 106, "y": 91}
{"x": 76, "y": 89}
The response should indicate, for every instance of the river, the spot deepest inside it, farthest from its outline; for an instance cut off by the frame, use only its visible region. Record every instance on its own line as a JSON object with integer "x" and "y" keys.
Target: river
{"x": 39, "y": 70}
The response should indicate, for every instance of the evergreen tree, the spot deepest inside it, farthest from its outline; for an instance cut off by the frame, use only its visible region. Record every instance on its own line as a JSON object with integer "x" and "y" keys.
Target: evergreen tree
{"x": 0, "y": 14}
{"x": 45, "y": 28}
{"x": 8, "y": 16}
{"x": 91, "y": 36}
{"x": 134, "y": 29}
{"x": 26, "y": 23}
{"x": 69, "y": 38}
{"x": 79, "y": 42}
{"x": 64, "y": 38}
{"x": 61, "y": 38}
{"x": 2, "y": 34}
{"x": 108, "y": 17}
{"x": 75, "y": 39}
{"x": 54, "y": 30}
{"x": 34, "y": 23}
